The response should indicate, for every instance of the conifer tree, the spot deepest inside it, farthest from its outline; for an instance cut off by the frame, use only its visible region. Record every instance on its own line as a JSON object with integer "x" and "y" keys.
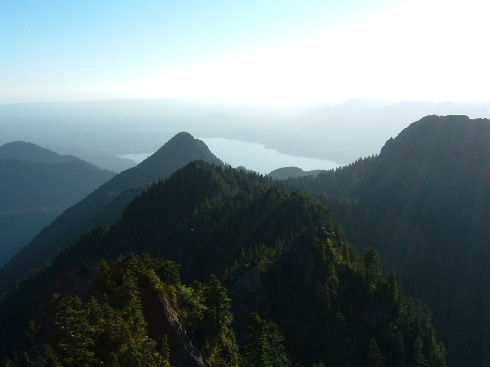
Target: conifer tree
{"x": 265, "y": 347}
{"x": 374, "y": 356}
{"x": 220, "y": 347}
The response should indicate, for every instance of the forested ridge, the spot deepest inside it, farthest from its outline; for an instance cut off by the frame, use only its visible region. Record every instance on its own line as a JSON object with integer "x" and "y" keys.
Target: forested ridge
{"x": 104, "y": 205}
{"x": 424, "y": 204}
{"x": 255, "y": 275}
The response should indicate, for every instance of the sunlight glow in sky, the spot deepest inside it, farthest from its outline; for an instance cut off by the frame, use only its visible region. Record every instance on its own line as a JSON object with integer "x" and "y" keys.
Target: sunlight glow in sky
{"x": 260, "y": 52}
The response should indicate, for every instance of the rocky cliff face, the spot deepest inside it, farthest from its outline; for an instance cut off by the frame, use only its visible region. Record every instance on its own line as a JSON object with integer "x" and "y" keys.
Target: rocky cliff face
{"x": 248, "y": 293}
{"x": 163, "y": 320}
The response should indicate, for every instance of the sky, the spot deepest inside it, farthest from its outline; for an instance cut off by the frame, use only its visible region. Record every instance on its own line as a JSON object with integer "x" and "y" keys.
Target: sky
{"x": 264, "y": 52}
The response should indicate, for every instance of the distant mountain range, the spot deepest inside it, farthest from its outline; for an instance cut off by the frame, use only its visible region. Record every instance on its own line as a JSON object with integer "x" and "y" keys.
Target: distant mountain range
{"x": 37, "y": 184}
{"x": 336, "y": 132}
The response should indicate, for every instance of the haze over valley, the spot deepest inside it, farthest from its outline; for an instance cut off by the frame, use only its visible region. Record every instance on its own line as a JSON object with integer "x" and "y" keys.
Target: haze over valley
{"x": 102, "y": 131}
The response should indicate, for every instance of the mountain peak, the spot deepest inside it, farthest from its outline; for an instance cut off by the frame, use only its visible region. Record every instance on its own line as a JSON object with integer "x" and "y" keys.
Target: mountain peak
{"x": 178, "y": 151}
{"x": 178, "y": 141}
{"x": 442, "y": 134}
{"x": 183, "y": 135}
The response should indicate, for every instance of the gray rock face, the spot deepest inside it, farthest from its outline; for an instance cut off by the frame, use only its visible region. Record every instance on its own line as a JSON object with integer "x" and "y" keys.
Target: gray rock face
{"x": 185, "y": 355}
{"x": 249, "y": 292}
{"x": 166, "y": 322}
{"x": 298, "y": 254}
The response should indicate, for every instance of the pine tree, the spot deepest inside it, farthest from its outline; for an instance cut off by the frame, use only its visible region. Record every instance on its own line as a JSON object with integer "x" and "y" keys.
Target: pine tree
{"x": 220, "y": 347}
{"x": 374, "y": 356}
{"x": 265, "y": 347}
{"x": 165, "y": 351}
{"x": 73, "y": 337}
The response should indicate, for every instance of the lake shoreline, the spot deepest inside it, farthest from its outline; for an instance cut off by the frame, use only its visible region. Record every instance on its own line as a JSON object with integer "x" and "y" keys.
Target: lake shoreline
{"x": 253, "y": 156}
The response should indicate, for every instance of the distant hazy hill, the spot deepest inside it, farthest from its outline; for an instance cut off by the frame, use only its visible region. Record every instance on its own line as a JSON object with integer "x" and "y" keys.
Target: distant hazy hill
{"x": 104, "y": 204}
{"x": 35, "y": 177}
{"x": 424, "y": 202}
{"x": 36, "y": 185}
{"x": 31, "y": 152}
{"x": 27, "y": 184}
{"x": 289, "y": 172}
{"x": 299, "y": 293}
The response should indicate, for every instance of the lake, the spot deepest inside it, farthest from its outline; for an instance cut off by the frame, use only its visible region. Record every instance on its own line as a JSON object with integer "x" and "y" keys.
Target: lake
{"x": 253, "y": 156}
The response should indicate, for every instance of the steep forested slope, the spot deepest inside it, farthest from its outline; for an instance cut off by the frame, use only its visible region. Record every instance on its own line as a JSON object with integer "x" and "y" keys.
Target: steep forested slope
{"x": 104, "y": 204}
{"x": 36, "y": 185}
{"x": 424, "y": 203}
{"x": 298, "y": 293}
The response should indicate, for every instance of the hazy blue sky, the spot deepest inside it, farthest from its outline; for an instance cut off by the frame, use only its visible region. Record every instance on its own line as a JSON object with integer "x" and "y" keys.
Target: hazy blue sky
{"x": 250, "y": 51}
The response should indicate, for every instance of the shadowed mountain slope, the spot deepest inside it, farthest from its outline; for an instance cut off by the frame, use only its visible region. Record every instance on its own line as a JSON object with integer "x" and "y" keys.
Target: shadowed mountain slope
{"x": 424, "y": 203}
{"x": 104, "y": 204}
{"x": 320, "y": 301}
